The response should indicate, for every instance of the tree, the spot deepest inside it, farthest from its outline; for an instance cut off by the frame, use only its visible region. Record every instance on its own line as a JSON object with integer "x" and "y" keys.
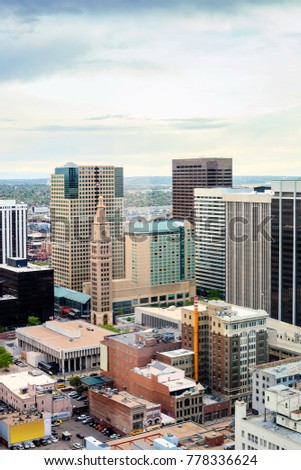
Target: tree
{"x": 75, "y": 381}
{"x": 33, "y": 321}
{"x": 214, "y": 294}
{"x": 5, "y": 358}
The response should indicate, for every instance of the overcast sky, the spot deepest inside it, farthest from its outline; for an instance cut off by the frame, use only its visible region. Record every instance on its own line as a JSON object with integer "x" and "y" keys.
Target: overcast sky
{"x": 136, "y": 83}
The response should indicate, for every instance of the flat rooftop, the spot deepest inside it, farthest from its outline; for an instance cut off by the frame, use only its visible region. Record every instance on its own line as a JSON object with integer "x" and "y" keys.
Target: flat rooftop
{"x": 76, "y": 334}
{"x": 177, "y": 353}
{"x": 26, "y": 269}
{"x": 269, "y": 425}
{"x": 179, "y": 382}
{"x": 127, "y": 399}
{"x": 16, "y": 418}
{"x": 281, "y": 368}
{"x": 16, "y": 381}
{"x": 130, "y": 339}
{"x": 190, "y": 435}
{"x": 170, "y": 313}
{"x": 229, "y": 312}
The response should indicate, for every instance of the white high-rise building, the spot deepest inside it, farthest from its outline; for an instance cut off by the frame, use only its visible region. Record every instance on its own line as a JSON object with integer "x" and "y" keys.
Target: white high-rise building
{"x": 13, "y": 230}
{"x": 233, "y": 245}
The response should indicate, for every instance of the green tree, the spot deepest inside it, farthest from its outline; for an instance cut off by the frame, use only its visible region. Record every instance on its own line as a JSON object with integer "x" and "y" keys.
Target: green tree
{"x": 33, "y": 321}
{"x": 75, "y": 381}
{"x": 5, "y": 358}
{"x": 214, "y": 294}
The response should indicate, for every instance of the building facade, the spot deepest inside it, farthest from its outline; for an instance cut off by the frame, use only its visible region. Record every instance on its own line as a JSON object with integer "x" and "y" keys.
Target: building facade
{"x": 277, "y": 429}
{"x": 32, "y": 288}
{"x": 233, "y": 245}
{"x": 191, "y": 173}
{"x": 248, "y": 250}
{"x": 101, "y": 269}
{"x": 123, "y": 352}
{"x": 125, "y": 412}
{"x": 75, "y": 345}
{"x": 75, "y": 191}
{"x": 179, "y": 396}
{"x": 13, "y": 230}
{"x": 286, "y": 372}
{"x": 230, "y": 340}
{"x": 286, "y": 252}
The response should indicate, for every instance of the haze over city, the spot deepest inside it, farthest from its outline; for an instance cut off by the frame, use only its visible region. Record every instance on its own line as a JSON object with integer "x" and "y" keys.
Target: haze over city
{"x": 137, "y": 83}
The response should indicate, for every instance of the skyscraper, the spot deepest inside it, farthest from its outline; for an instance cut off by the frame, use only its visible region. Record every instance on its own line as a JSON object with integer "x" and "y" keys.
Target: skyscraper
{"x": 248, "y": 250}
{"x": 13, "y": 230}
{"x": 286, "y": 252}
{"x": 101, "y": 269}
{"x": 191, "y": 173}
{"x": 75, "y": 190}
{"x": 233, "y": 245}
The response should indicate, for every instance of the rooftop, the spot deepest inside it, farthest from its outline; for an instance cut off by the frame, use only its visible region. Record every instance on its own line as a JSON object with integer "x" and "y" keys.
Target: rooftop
{"x": 172, "y": 312}
{"x": 29, "y": 268}
{"x": 281, "y": 368}
{"x": 229, "y": 312}
{"x": 70, "y": 294}
{"x": 173, "y": 378}
{"x": 177, "y": 353}
{"x": 269, "y": 424}
{"x": 18, "y": 381}
{"x": 190, "y": 435}
{"x": 76, "y": 334}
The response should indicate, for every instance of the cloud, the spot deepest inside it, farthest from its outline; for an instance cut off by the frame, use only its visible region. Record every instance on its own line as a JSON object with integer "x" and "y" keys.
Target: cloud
{"x": 24, "y": 61}
{"x": 196, "y": 123}
{"x": 36, "y": 8}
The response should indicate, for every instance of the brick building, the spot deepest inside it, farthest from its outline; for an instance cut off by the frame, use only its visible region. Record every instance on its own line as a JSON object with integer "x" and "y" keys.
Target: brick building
{"x": 121, "y": 353}
{"x": 231, "y": 339}
{"x": 124, "y": 412}
{"x": 180, "y": 397}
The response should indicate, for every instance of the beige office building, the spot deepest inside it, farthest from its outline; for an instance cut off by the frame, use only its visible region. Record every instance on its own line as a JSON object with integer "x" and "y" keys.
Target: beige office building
{"x": 75, "y": 190}
{"x": 248, "y": 249}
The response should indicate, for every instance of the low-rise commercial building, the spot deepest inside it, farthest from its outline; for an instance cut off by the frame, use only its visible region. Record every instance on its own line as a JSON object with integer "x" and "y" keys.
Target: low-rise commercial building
{"x": 22, "y": 427}
{"x": 180, "y": 358}
{"x": 125, "y": 412}
{"x": 154, "y": 317}
{"x": 121, "y": 353}
{"x": 179, "y": 396}
{"x": 278, "y": 428}
{"x": 286, "y": 372}
{"x": 75, "y": 345}
{"x": 34, "y": 391}
{"x": 284, "y": 340}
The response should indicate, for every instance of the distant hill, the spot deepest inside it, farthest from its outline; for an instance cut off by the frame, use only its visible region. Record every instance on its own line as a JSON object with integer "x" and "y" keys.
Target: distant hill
{"x": 14, "y": 182}
{"x": 147, "y": 180}
{"x": 158, "y": 180}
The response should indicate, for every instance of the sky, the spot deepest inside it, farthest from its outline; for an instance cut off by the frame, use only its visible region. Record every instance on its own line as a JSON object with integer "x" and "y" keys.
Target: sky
{"x": 136, "y": 83}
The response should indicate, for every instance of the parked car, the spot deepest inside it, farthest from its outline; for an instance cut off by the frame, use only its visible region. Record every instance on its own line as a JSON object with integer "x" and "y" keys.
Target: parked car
{"x": 81, "y": 417}
{"x": 80, "y": 436}
{"x": 81, "y": 398}
{"x": 77, "y": 445}
{"x": 87, "y": 420}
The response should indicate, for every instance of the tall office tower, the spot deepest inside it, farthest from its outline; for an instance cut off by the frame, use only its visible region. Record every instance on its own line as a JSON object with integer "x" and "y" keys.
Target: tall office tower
{"x": 191, "y": 173}
{"x": 286, "y": 252}
{"x": 233, "y": 245}
{"x": 248, "y": 250}
{"x": 101, "y": 269}
{"x": 210, "y": 240}
{"x": 13, "y": 230}
{"x": 74, "y": 197}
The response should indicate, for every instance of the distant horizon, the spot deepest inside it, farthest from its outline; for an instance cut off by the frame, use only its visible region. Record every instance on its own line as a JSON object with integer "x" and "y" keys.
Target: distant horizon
{"x": 265, "y": 176}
